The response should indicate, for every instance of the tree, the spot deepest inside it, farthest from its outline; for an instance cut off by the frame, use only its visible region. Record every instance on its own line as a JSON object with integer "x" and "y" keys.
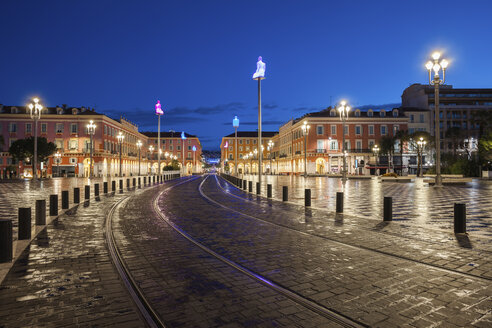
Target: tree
{"x": 456, "y": 136}
{"x": 388, "y": 148}
{"x": 412, "y": 143}
{"x": 402, "y": 136}
{"x": 173, "y": 167}
{"x": 24, "y": 148}
{"x": 485, "y": 148}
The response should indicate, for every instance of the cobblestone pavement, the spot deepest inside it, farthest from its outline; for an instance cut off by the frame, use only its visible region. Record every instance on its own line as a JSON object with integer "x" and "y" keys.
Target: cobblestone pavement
{"x": 190, "y": 288}
{"x": 412, "y": 202}
{"x": 65, "y": 277}
{"x": 24, "y": 193}
{"x": 378, "y": 289}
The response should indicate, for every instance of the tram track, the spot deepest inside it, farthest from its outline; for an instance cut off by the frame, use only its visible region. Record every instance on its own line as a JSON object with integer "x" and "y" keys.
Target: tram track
{"x": 329, "y": 314}
{"x": 464, "y": 274}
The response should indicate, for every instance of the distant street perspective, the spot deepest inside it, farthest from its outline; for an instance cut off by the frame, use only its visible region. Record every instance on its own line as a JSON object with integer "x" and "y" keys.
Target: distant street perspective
{"x": 244, "y": 164}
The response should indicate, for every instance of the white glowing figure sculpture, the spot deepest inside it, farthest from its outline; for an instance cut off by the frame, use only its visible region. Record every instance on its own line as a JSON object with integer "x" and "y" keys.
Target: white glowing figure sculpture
{"x": 183, "y": 135}
{"x": 226, "y": 144}
{"x": 260, "y": 69}
{"x": 158, "y": 109}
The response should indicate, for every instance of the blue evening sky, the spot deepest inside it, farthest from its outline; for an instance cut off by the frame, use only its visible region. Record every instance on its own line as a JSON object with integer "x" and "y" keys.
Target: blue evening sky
{"x": 197, "y": 57}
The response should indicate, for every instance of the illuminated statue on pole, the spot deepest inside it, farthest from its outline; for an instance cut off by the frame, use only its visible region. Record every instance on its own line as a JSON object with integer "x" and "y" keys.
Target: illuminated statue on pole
{"x": 260, "y": 69}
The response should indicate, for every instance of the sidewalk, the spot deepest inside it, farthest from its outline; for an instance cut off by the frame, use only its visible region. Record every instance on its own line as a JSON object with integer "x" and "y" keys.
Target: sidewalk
{"x": 65, "y": 276}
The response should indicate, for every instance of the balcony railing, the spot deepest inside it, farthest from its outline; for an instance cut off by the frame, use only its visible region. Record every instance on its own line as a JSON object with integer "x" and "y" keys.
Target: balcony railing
{"x": 321, "y": 151}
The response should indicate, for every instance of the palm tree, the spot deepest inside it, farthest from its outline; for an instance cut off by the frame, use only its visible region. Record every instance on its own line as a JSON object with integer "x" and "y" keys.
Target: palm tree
{"x": 388, "y": 148}
{"x": 402, "y": 136}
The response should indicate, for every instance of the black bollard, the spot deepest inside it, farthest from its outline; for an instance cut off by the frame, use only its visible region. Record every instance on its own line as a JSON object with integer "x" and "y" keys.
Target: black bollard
{"x": 459, "y": 218}
{"x": 24, "y": 223}
{"x": 145, "y": 181}
{"x": 127, "y": 183}
{"x": 40, "y": 211}
{"x": 153, "y": 179}
{"x": 307, "y": 197}
{"x": 269, "y": 190}
{"x": 105, "y": 187}
{"x": 96, "y": 189}
{"x": 139, "y": 183}
{"x": 53, "y": 205}
{"x": 388, "y": 209}
{"x": 339, "y": 202}
{"x": 87, "y": 193}
{"x": 121, "y": 185}
{"x": 258, "y": 188}
{"x": 6, "y": 249}
{"x": 285, "y": 193}
{"x": 244, "y": 184}
{"x": 76, "y": 195}
{"x": 64, "y": 199}
{"x": 250, "y": 186}
{"x": 113, "y": 185}
{"x": 134, "y": 179}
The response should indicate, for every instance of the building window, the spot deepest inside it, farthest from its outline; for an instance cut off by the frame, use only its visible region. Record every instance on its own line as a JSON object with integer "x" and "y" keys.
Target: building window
{"x": 333, "y": 113}
{"x": 370, "y": 113}
{"x": 347, "y": 145}
{"x": 73, "y": 127}
{"x": 28, "y": 127}
{"x": 240, "y": 141}
{"x": 371, "y": 144}
{"x": 189, "y": 155}
{"x": 382, "y": 113}
{"x": 395, "y": 112}
{"x": 59, "y": 128}
{"x": 320, "y": 130}
{"x": 333, "y": 130}
{"x": 13, "y": 127}
{"x": 346, "y": 130}
{"x": 247, "y": 148}
{"x": 105, "y": 130}
{"x": 178, "y": 147}
{"x": 371, "y": 130}
{"x": 59, "y": 143}
{"x": 230, "y": 148}
{"x": 358, "y": 144}
{"x": 171, "y": 147}
{"x": 357, "y": 113}
{"x": 189, "y": 147}
{"x": 358, "y": 130}
{"x": 395, "y": 129}
{"x": 73, "y": 160}
{"x": 74, "y": 144}
{"x": 240, "y": 148}
{"x": 230, "y": 156}
{"x": 247, "y": 142}
{"x": 412, "y": 118}
{"x": 254, "y": 141}
{"x": 422, "y": 118}
{"x": 383, "y": 130}
{"x": 44, "y": 127}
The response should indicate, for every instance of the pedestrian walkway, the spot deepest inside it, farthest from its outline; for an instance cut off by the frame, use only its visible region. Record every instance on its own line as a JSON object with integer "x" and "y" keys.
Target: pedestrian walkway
{"x": 378, "y": 289}
{"x": 65, "y": 277}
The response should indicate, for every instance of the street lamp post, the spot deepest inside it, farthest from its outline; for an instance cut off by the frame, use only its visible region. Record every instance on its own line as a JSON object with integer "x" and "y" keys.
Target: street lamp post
{"x": 375, "y": 150}
{"x": 58, "y": 156}
{"x": 343, "y": 109}
{"x": 259, "y": 75}
{"x": 35, "y": 109}
{"x": 158, "y": 112}
{"x": 91, "y": 129}
{"x": 151, "y": 149}
{"x": 235, "y": 124}
{"x": 305, "y": 131}
{"x": 139, "y": 145}
{"x": 194, "y": 162}
{"x": 270, "y": 148}
{"x": 120, "y": 138}
{"x": 421, "y": 144}
{"x": 436, "y": 81}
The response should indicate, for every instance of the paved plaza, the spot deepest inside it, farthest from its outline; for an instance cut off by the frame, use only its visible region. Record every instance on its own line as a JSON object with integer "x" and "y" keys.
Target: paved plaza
{"x": 412, "y": 272}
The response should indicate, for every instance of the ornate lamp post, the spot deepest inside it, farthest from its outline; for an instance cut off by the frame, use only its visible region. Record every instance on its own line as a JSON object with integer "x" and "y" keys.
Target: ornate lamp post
{"x": 421, "y": 145}
{"x": 58, "y": 157}
{"x": 35, "y": 109}
{"x": 305, "y": 131}
{"x": 91, "y": 129}
{"x": 259, "y": 75}
{"x": 151, "y": 149}
{"x": 183, "y": 137}
{"x": 139, "y": 145}
{"x": 235, "y": 124}
{"x": 158, "y": 112}
{"x": 436, "y": 81}
{"x": 270, "y": 147}
{"x": 343, "y": 109}
{"x": 120, "y": 138}
{"x": 375, "y": 150}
